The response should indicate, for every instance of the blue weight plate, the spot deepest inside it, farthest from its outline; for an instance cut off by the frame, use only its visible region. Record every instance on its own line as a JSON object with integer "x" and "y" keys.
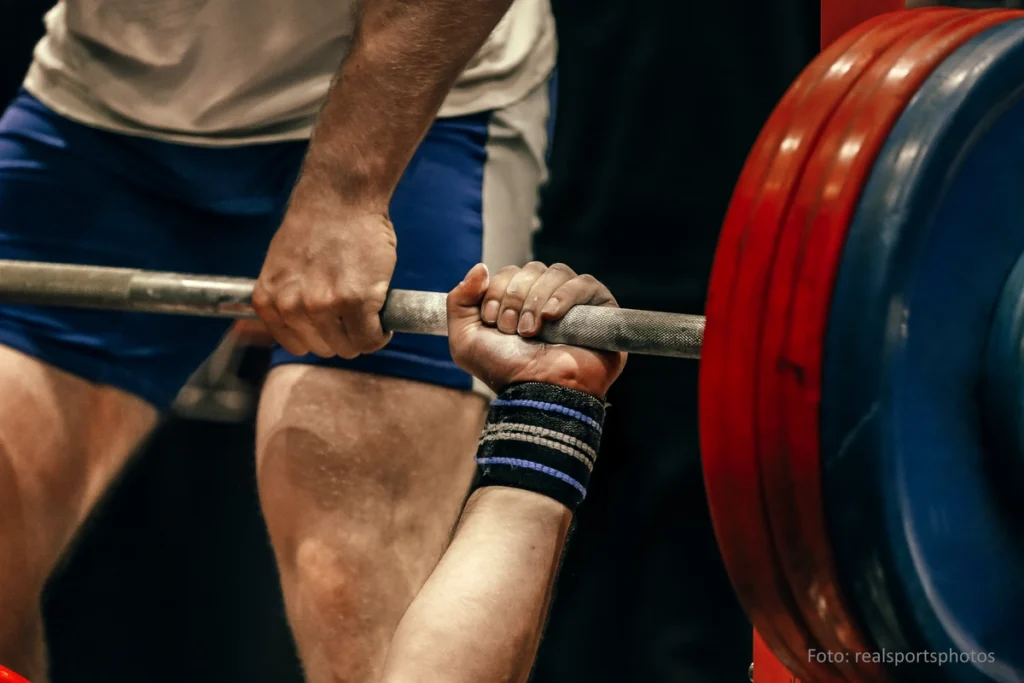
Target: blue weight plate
{"x": 1004, "y": 387}
{"x": 924, "y": 540}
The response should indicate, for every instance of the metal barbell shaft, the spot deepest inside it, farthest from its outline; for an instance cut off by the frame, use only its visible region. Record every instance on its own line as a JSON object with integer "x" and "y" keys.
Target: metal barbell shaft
{"x": 127, "y": 289}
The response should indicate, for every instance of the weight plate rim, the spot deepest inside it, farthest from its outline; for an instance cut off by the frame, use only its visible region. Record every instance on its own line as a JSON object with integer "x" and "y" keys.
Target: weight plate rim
{"x": 792, "y": 487}
{"x": 788, "y": 418}
{"x": 764, "y": 598}
{"x": 791, "y": 475}
{"x": 965, "y": 77}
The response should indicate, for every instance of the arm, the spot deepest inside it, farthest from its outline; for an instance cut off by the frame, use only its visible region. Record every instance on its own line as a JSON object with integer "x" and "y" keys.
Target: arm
{"x": 328, "y": 268}
{"x": 479, "y": 617}
{"x": 405, "y": 58}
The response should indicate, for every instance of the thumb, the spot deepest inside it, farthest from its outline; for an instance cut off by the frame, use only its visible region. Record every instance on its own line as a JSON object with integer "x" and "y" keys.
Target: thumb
{"x": 464, "y": 301}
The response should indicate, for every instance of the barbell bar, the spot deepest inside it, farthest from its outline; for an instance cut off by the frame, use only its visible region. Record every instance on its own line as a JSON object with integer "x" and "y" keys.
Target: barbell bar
{"x": 649, "y": 333}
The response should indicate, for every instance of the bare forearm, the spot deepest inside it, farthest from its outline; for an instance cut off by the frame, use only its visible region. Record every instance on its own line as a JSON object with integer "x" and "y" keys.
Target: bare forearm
{"x": 405, "y": 58}
{"x": 479, "y": 617}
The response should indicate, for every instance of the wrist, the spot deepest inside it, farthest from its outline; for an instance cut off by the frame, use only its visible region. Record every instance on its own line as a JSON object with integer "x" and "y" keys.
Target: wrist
{"x": 343, "y": 185}
{"x": 567, "y": 376}
{"x": 542, "y": 438}
{"x": 517, "y": 504}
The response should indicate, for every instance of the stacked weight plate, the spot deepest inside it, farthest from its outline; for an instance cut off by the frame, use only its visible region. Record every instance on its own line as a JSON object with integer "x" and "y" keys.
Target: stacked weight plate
{"x": 813, "y": 537}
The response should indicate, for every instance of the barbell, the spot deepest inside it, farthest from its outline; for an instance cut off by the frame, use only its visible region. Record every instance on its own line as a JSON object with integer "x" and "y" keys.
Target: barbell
{"x": 141, "y": 291}
{"x": 862, "y": 366}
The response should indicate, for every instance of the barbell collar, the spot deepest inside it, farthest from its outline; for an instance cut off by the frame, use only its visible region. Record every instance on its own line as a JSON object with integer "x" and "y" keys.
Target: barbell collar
{"x": 127, "y": 289}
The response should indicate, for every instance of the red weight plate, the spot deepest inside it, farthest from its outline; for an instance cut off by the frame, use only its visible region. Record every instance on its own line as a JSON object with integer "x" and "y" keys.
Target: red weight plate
{"x": 797, "y": 307}
{"x": 745, "y": 546}
{"x": 757, "y": 264}
{"x": 839, "y": 16}
{"x": 735, "y": 303}
{"x": 793, "y": 489}
{"x": 8, "y": 676}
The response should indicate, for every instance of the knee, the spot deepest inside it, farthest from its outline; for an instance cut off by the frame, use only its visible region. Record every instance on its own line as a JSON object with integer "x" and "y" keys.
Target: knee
{"x": 329, "y": 580}
{"x": 327, "y": 583}
{"x": 344, "y": 602}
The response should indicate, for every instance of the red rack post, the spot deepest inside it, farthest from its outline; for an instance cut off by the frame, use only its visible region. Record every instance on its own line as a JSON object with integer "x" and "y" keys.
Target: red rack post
{"x": 768, "y": 669}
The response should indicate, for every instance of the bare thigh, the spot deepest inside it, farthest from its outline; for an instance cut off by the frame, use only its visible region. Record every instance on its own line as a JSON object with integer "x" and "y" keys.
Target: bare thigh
{"x": 361, "y": 479}
{"x": 62, "y": 441}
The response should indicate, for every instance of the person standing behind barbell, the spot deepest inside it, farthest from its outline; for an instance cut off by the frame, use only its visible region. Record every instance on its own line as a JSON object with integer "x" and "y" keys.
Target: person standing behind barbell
{"x": 170, "y": 135}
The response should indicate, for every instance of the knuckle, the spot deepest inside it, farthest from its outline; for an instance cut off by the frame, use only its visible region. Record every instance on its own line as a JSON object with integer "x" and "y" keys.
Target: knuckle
{"x": 348, "y": 299}
{"x": 535, "y": 300}
{"x": 588, "y": 280}
{"x": 503, "y": 277}
{"x": 370, "y": 306}
{"x": 519, "y": 288}
{"x": 320, "y": 303}
{"x": 516, "y": 293}
{"x": 535, "y": 266}
{"x": 290, "y": 304}
{"x": 347, "y": 352}
{"x": 359, "y": 341}
{"x": 562, "y": 268}
{"x": 260, "y": 298}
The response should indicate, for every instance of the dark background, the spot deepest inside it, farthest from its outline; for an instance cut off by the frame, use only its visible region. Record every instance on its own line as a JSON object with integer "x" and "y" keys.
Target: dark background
{"x": 173, "y": 578}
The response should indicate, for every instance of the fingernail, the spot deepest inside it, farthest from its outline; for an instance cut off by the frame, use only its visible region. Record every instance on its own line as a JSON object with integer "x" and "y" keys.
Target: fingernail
{"x": 508, "y": 320}
{"x": 526, "y": 323}
{"x": 550, "y": 307}
{"x": 491, "y": 311}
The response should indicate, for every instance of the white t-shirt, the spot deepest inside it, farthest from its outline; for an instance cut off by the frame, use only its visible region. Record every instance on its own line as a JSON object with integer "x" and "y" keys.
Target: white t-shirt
{"x": 229, "y": 72}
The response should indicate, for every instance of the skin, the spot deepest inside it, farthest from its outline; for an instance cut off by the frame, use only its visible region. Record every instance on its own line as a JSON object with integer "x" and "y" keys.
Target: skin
{"x": 516, "y": 536}
{"x": 480, "y": 615}
{"x": 360, "y": 500}
{"x": 361, "y": 478}
{"x": 321, "y": 288}
{"x": 50, "y": 478}
{"x": 327, "y": 271}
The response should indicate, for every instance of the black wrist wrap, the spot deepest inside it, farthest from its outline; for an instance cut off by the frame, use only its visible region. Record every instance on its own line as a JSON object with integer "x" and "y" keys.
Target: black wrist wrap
{"x": 542, "y": 438}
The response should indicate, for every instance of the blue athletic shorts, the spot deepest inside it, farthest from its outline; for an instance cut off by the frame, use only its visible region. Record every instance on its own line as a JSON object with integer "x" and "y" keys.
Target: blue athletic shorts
{"x": 70, "y": 193}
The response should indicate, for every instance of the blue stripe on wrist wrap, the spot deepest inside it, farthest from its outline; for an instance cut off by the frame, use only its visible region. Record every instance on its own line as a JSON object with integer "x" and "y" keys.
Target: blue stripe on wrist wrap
{"x": 542, "y": 438}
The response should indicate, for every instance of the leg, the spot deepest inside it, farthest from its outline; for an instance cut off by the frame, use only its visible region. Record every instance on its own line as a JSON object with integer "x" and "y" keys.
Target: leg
{"x": 362, "y": 471}
{"x": 82, "y": 388}
{"x": 361, "y": 479}
{"x": 62, "y": 441}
